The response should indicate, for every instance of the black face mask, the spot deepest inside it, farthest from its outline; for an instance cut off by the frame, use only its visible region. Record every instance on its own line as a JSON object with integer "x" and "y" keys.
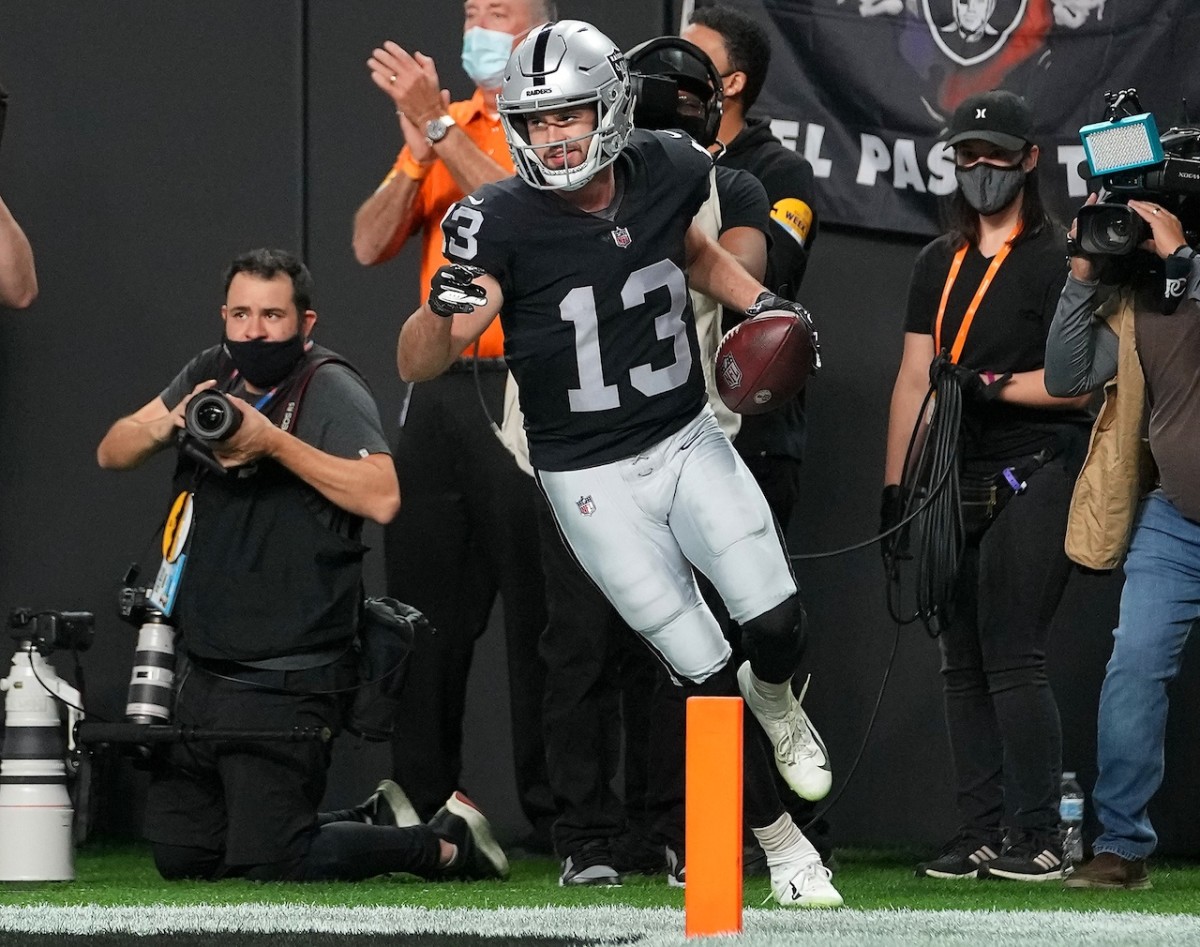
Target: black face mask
{"x": 988, "y": 188}
{"x": 265, "y": 364}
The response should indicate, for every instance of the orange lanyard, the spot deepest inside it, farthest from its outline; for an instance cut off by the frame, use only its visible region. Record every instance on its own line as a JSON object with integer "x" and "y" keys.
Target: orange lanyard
{"x": 961, "y": 339}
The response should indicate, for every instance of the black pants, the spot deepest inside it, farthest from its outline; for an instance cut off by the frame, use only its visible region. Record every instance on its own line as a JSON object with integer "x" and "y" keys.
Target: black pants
{"x": 1005, "y": 736}
{"x": 466, "y": 532}
{"x": 583, "y": 646}
{"x": 240, "y": 808}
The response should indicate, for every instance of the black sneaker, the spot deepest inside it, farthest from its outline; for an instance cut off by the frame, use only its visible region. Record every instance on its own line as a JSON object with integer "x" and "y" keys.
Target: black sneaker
{"x": 1028, "y": 858}
{"x": 387, "y": 805}
{"x": 961, "y": 857}
{"x": 479, "y": 855}
{"x": 634, "y": 854}
{"x": 676, "y": 868}
{"x": 590, "y": 864}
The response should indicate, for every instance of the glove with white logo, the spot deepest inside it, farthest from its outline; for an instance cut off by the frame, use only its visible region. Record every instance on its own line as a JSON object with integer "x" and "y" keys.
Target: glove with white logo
{"x": 451, "y": 290}
{"x": 768, "y": 301}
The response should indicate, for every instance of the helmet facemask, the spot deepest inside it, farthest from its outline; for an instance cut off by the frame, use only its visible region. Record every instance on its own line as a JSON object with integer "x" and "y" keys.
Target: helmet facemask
{"x": 559, "y": 66}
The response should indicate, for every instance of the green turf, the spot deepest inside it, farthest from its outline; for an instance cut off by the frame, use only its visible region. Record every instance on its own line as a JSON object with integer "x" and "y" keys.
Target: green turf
{"x": 110, "y": 874}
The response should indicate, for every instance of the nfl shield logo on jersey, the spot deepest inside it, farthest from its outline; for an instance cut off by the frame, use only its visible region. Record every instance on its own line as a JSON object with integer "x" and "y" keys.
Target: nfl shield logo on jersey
{"x": 587, "y": 506}
{"x": 621, "y": 237}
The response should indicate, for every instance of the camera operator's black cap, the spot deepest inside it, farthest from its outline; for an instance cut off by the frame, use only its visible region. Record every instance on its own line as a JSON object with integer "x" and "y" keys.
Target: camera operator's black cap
{"x": 999, "y": 116}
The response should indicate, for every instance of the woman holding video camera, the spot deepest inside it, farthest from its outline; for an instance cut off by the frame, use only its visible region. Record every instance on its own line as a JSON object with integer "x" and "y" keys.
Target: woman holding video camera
{"x": 979, "y": 307}
{"x": 1150, "y": 329}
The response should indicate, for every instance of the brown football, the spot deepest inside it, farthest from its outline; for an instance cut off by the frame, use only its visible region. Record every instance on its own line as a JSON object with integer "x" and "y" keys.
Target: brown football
{"x": 763, "y": 362}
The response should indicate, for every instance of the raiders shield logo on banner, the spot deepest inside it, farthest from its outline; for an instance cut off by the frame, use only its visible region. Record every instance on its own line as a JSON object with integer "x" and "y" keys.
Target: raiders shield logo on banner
{"x": 970, "y": 31}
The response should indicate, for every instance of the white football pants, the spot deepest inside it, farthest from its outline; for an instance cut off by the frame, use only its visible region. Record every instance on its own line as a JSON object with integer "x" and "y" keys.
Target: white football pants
{"x": 638, "y": 525}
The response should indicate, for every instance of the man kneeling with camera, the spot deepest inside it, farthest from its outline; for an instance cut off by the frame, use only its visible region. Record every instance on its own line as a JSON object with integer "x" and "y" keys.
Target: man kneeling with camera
{"x": 262, "y": 575}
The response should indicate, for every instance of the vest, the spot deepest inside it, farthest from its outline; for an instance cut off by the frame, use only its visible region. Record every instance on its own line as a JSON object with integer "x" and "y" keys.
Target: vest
{"x": 1119, "y": 469}
{"x": 273, "y": 569}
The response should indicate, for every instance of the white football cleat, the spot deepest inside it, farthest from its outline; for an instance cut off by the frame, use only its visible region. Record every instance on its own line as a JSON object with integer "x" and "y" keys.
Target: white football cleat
{"x": 804, "y": 884}
{"x": 800, "y": 754}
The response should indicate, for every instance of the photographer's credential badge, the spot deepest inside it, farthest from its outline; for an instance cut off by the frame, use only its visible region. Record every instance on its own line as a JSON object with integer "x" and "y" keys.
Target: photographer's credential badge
{"x": 176, "y": 533}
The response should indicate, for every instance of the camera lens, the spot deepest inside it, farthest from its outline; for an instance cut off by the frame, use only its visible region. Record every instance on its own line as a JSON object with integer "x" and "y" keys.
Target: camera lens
{"x": 1110, "y": 229}
{"x": 210, "y": 416}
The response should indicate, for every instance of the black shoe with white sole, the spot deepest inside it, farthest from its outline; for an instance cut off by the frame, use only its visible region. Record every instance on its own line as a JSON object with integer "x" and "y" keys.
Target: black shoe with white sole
{"x": 1028, "y": 858}
{"x": 479, "y": 855}
{"x": 962, "y": 857}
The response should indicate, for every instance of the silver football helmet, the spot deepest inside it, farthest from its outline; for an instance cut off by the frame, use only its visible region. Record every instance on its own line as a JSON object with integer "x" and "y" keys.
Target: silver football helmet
{"x": 563, "y": 65}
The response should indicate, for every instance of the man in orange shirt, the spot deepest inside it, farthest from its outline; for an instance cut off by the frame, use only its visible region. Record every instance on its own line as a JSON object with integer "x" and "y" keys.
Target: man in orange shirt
{"x": 467, "y": 529}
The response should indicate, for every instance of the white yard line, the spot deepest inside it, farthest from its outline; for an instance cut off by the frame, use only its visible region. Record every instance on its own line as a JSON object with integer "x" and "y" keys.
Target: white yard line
{"x": 644, "y": 927}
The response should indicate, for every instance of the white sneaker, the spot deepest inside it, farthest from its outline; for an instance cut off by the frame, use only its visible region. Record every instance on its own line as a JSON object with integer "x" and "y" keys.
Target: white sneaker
{"x": 799, "y": 752}
{"x": 804, "y": 885}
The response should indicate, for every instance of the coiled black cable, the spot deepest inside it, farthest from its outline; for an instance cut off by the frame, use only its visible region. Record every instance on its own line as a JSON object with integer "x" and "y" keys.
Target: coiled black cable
{"x": 932, "y": 501}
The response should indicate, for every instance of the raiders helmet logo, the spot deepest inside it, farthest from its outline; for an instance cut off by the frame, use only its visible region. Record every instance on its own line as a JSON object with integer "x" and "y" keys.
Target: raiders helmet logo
{"x": 970, "y": 31}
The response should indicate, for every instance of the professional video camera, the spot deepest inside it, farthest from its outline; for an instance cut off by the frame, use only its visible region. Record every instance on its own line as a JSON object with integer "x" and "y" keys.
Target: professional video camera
{"x": 1132, "y": 160}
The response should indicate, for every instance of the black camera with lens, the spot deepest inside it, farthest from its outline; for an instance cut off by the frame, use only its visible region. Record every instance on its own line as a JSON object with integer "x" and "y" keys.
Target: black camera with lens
{"x": 1132, "y": 160}
{"x": 134, "y": 605}
{"x": 211, "y": 416}
{"x": 51, "y": 630}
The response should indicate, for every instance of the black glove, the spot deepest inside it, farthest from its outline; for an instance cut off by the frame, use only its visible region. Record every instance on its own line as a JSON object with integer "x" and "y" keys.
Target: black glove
{"x": 891, "y": 512}
{"x": 970, "y": 382}
{"x": 451, "y": 290}
{"x": 767, "y": 301}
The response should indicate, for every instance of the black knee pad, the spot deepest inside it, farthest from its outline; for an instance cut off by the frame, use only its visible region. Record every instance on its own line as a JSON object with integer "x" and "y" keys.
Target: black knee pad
{"x": 774, "y": 641}
{"x": 179, "y": 862}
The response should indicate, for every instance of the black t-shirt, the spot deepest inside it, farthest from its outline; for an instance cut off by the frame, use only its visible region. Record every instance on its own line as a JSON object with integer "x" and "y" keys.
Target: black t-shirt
{"x": 598, "y": 325}
{"x": 338, "y": 413}
{"x": 1008, "y": 334}
{"x": 743, "y": 201}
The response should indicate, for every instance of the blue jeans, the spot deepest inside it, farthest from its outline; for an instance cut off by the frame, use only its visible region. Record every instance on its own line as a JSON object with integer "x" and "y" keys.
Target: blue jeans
{"x": 1160, "y": 604}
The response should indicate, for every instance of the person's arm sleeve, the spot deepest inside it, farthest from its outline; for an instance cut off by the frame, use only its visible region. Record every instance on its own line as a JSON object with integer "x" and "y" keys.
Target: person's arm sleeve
{"x": 339, "y": 416}
{"x": 1081, "y": 350}
{"x": 923, "y": 297}
{"x": 794, "y": 224}
{"x": 182, "y": 384}
{"x": 743, "y": 203}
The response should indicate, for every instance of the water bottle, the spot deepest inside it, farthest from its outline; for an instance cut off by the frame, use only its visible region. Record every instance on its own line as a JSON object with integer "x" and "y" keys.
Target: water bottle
{"x": 1070, "y": 815}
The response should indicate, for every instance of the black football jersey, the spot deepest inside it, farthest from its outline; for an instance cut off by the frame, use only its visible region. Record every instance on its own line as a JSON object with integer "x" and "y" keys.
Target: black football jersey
{"x": 598, "y": 326}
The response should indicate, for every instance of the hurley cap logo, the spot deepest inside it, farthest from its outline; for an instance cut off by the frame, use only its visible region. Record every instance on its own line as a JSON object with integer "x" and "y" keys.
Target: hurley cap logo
{"x": 981, "y": 113}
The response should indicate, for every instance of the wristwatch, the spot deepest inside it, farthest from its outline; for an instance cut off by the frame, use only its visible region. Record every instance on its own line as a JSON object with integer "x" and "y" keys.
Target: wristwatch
{"x": 436, "y": 128}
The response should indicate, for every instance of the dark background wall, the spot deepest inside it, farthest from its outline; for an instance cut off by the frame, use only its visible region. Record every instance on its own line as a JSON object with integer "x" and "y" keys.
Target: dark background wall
{"x": 149, "y": 143}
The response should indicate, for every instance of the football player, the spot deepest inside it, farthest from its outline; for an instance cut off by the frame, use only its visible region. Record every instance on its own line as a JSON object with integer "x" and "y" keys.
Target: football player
{"x": 584, "y": 255}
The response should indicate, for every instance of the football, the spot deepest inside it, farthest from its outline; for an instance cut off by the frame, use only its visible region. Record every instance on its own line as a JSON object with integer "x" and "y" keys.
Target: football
{"x": 763, "y": 362}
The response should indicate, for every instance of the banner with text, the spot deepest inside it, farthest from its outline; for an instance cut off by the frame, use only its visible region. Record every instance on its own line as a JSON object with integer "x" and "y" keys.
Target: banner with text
{"x": 864, "y": 88}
